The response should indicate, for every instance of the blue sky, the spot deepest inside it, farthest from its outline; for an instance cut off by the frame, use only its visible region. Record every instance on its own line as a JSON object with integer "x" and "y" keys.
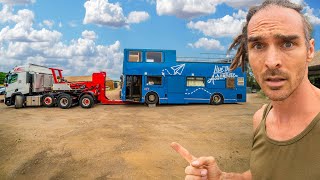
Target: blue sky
{"x": 82, "y": 37}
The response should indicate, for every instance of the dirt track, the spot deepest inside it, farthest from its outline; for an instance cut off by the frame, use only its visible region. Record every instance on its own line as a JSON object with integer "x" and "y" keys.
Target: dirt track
{"x": 122, "y": 141}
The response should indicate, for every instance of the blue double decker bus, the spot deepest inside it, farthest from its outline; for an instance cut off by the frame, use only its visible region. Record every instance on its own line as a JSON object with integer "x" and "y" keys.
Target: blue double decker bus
{"x": 156, "y": 77}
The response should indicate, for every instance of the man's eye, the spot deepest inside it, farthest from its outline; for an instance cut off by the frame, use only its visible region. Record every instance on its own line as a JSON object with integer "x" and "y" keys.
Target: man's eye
{"x": 258, "y": 46}
{"x": 288, "y": 45}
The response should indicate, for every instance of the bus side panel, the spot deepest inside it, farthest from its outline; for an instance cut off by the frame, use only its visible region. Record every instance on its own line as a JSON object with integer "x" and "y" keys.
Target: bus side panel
{"x": 242, "y": 90}
{"x": 160, "y": 90}
{"x": 197, "y": 95}
{"x": 176, "y": 89}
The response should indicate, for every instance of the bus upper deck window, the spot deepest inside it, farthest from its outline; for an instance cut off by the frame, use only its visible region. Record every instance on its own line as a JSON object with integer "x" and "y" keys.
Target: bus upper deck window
{"x": 154, "y": 57}
{"x": 134, "y": 56}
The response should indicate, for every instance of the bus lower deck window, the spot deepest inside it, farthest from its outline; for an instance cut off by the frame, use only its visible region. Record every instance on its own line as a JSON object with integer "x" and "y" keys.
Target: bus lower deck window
{"x": 154, "y": 80}
{"x": 195, "y": 81}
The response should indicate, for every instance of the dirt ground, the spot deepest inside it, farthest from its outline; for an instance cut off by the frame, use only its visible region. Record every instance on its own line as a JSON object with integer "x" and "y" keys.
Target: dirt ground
{"x": 122, "y": 141}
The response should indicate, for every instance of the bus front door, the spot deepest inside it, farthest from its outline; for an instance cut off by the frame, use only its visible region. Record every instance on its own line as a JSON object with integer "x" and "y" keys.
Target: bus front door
{"x": 133, "y": 88}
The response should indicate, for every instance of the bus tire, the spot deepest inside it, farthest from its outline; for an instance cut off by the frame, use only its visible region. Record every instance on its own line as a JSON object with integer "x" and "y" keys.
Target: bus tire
{"x": 216, "y": 99}
{"x": 64, "y": 101}
{"x": 152, "y": 98}
{"x": 86, "y": 101}
{"x": 48, "y": 100}
{"x": 18, "y": 103}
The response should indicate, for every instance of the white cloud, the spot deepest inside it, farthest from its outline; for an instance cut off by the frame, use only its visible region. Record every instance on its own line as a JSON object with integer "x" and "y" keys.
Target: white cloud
{"x": 310, "y": 14}
{"x": 186, "y": 9}
{"x": 48, "y": 23}
{"x": 21, "y": 44}
{"x": 15, "y": 2}
{"x": 104, "y": 13}
{"x": 23, "y": 17}
{"x": 101, "y": 12}
{"x": 89, "y": 35}
{"x": 73, "y": 24}
{"x": 297, "y": 1}
{"x": 22, "y": 30}
{"x": 209, "y": 44}
{"x": 60, "y": 24}
{"x": 80, "y": 57}
{"x": 137, "y": 17}
{"x": 228, "y": 26}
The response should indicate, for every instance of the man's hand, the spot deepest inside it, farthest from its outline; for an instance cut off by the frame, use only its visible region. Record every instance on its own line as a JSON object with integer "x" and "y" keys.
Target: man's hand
{"x": 203, "y": 168}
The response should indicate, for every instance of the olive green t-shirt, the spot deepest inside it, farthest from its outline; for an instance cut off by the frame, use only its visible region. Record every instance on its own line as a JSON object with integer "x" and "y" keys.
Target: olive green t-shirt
{"x": 297, "y": 158}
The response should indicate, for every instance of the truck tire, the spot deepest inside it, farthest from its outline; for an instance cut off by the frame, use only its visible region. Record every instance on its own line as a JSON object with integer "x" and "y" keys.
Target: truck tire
{"x": 86, "y": 101}
{"x": 18, "y": 103}
{"x": 216, "y": 99}
{"x": 48, "y": 100}
{"x": 64, "y": 101}
{"x": 152, "y": 98}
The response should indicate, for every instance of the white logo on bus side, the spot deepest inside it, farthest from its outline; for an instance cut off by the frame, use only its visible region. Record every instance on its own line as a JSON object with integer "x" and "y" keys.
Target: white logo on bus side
{"x": 177, "y": 70}
{"x": 221, "y": 73}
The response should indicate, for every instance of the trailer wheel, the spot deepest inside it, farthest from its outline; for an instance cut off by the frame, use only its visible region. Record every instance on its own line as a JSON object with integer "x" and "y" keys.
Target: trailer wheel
{"x": 48, "y": 100}
{"x": 86, "y": 101}
{"x": 152, "y": 98}
{"x": 64, "y": 101}
{"x": 216, "y": 99}
{"x": 18, "y": 102}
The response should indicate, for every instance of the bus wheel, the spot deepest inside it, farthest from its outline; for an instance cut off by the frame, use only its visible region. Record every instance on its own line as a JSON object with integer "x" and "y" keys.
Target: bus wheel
{"x": 64, "y": 101}
{"x": 48, "y": 100}
{"x": 18, "y": 102}
{"x": 152, "y": 98}
{"x": 216, "y": 99}
{"x": 86, "y": 101}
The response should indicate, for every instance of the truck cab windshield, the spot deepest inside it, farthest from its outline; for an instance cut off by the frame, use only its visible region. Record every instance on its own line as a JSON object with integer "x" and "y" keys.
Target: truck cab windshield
{"x": 11, "y": 78}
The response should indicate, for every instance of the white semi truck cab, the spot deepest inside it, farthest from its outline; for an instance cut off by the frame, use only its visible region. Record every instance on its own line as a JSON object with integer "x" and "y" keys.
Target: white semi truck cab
{"x": 27, "y": 81}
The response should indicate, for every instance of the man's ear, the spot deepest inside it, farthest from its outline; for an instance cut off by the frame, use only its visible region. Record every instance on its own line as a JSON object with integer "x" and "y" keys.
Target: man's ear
{"x": 310, "y": 50}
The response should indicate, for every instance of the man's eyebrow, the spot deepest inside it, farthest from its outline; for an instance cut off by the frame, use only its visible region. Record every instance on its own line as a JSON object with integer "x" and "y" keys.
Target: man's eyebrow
{"x": 286, "y": 37}
{"x": 255, "y": 38}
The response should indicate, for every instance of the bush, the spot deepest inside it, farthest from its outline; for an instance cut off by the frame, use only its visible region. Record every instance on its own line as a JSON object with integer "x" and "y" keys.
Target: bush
{"x": 262, "y": 94}
{"x": 2, "y": 76}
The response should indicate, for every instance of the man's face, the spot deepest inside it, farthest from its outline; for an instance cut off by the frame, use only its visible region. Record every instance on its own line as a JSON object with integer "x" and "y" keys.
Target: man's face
{"x": 277, "y": 51}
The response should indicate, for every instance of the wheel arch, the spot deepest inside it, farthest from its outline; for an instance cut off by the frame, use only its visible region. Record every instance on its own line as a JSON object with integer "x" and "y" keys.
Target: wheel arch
{"x": 13, "y": 97}
{"x": 217, "y": 93}
{"x": 145, "y": 97}
{"x": 88, "y": 93}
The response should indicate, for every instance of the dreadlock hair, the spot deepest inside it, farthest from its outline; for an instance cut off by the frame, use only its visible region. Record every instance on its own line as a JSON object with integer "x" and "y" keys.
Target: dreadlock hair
{"x": 241, "y": 41}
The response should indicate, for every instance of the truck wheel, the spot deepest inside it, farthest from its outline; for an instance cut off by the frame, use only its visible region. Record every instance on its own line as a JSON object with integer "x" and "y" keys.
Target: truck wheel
{"x": 152, "y": 98}
{"x": 48, "y": 100}
{"x": 64, "y": 101}
{"x": 18, "y": 102}
{"x": 216, "y": 99}
{"x": 86, "y": 101}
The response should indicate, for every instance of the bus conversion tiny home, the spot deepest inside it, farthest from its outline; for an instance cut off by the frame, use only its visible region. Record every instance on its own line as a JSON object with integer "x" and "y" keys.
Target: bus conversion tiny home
{"x": 156, "y": 77}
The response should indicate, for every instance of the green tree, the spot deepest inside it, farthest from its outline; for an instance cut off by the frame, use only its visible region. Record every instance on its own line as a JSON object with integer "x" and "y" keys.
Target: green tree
{"x": 251, "y": 81}
{"x": 2, "y": 76}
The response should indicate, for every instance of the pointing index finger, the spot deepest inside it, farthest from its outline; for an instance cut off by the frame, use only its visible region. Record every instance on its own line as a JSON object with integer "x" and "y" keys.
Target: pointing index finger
{"x": 183, "y": 152}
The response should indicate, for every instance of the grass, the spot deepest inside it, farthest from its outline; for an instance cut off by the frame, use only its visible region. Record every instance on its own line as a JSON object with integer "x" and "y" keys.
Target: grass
{"x": 262, "y": 94}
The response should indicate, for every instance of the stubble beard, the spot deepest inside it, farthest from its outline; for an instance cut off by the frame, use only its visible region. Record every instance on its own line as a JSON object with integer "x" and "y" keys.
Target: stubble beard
{"x": 283, "y": 92}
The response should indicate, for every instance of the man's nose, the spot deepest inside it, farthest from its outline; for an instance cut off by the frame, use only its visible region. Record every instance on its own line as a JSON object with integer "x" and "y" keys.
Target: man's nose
{"x": 273, "y": 60}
